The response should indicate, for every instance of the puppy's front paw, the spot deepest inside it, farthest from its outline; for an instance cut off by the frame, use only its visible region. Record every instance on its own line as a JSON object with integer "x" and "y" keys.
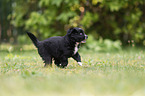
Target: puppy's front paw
{"x": 80, "y": 63}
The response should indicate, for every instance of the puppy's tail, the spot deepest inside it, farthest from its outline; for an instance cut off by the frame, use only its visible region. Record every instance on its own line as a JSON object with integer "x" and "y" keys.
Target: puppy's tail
{"x": 34, "y": 39}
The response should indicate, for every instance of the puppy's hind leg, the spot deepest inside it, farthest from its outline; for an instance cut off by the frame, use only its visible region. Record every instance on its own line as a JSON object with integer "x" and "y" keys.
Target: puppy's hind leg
{"x": 57, "y": 62}
{"x": 64, "y": 62}
{"x": 45, "y": 56}
{"x": 47, "y": 61}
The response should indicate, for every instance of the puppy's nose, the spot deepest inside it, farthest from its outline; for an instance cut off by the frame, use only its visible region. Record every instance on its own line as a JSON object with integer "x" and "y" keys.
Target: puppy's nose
{"x": 86, "y": 36}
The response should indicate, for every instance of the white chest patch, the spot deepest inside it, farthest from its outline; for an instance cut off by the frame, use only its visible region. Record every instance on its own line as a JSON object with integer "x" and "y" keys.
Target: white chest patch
{"x": 76, "y": 48}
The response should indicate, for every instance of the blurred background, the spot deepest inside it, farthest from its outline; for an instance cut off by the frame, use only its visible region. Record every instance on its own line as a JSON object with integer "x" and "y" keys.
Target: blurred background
{"x": 110, "y": 24}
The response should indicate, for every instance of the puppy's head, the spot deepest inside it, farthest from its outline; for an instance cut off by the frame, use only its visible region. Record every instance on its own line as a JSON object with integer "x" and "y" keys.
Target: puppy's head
{"x": 77, "y": 34}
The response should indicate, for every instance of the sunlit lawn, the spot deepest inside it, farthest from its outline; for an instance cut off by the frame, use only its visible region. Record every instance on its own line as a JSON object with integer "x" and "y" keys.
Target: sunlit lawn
{"x": 102, "y": 74}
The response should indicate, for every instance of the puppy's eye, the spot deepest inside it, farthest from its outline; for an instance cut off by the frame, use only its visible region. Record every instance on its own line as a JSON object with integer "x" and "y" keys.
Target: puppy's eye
{"x": 81, "y": 33}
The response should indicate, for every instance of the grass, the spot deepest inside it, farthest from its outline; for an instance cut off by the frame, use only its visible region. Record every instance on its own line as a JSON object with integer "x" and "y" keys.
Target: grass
{"x": 102, "y": 74}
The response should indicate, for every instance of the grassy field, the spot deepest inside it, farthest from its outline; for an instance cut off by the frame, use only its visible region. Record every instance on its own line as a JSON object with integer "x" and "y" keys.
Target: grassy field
{"x": 102, "y": 74}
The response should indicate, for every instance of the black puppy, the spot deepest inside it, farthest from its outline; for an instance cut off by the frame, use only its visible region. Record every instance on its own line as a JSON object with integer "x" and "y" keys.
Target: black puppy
{"x": 60, "y": 48}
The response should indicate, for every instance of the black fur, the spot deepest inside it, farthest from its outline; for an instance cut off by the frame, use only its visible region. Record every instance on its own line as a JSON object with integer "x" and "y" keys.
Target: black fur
{"x": 60, "y": 48}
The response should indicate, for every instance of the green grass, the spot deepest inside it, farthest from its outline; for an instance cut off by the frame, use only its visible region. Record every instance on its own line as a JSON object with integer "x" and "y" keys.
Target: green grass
{"x": 102, "y": 74}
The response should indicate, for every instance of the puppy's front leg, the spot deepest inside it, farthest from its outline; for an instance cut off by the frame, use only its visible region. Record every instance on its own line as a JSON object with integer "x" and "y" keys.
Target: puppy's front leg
{"x": 77, "y": 57}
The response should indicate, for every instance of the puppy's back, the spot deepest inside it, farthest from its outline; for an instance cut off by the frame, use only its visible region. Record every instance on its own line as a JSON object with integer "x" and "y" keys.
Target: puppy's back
{"x": 54, "y": 45}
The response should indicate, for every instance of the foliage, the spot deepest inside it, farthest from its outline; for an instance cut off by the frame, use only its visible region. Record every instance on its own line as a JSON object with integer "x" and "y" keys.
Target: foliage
{"x": 121, "y": 73}
{"x": 48, "y": 17}
{"x": 101, "y": 45}
{"x": 115, "y": 20}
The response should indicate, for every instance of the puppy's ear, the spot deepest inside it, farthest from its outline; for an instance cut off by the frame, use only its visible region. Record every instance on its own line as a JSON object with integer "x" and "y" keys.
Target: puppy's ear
{"x": 69, "y": 31}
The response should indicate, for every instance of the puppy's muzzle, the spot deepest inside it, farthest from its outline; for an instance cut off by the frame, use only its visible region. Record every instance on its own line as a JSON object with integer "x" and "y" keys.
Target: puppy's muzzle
{"x": 86, "y": 36}
{"x": 84, "y": 41}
